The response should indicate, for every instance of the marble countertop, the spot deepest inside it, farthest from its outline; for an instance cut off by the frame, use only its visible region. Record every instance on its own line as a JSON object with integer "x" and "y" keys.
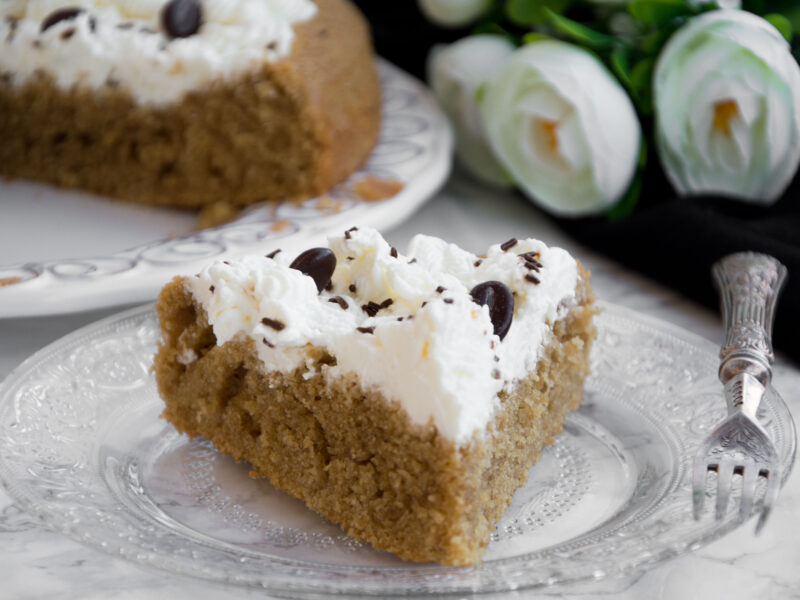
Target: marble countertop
{"x": 37, "y": 563}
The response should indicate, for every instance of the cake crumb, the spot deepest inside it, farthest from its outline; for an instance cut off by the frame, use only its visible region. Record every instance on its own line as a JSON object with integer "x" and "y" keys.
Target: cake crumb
{"x": 375, "y": 189}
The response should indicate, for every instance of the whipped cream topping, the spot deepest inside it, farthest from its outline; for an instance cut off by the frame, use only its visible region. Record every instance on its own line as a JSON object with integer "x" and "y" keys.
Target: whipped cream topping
{"x": 404, "y": 324}
{"x": 123, "y": 43}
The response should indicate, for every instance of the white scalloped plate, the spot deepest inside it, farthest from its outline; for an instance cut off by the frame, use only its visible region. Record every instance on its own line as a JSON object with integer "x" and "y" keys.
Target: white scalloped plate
{"x": 68, "y": 251}
{"x": 82, "y": 448}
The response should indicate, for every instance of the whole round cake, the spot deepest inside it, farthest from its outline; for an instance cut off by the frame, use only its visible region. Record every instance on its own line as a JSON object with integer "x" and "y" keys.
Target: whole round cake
{"x": 186, "y": 102}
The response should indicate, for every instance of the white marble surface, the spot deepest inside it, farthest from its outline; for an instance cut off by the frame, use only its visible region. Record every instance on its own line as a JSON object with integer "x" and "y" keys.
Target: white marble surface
{"x": 37, "y": 563}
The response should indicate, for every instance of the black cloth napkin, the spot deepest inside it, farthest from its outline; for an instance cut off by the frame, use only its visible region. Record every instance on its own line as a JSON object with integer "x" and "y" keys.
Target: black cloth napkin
{"x": 672, "y": 239}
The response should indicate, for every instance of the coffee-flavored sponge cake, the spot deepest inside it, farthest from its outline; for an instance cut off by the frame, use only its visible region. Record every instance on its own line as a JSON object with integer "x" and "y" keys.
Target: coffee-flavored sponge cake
{"x": 186, "y": 102}
{"x": 402, "y": 396}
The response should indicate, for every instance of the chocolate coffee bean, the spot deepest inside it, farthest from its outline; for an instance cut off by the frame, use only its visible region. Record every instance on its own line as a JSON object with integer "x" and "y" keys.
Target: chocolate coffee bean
{"x": 181, "y": 18}
{"x": 317, "y": 263}
{"x": 500, "y": 301}
{"x": 62, "y": 14}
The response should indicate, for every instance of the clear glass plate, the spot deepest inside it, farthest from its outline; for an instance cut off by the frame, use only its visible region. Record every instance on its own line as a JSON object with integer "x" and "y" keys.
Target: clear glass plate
{"x": 83, "y": 449}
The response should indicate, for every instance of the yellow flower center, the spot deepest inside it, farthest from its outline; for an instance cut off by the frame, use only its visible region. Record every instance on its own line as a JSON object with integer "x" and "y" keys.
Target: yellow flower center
{"x": 550, "y": 130}
{"x": 724, "y": 112}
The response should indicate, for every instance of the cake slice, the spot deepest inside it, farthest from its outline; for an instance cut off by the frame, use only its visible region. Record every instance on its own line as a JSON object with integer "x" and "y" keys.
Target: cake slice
{"x": 404, "y": 397}
{"x": 187, "y": 103}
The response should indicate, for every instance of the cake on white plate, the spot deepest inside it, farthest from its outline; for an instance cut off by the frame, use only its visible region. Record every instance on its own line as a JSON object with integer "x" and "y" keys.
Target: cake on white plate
{"x": 403, "y": 396}
{"x": 186, "y": 102}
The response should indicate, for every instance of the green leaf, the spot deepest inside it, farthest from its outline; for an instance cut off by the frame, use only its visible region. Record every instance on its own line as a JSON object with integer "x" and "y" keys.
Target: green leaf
{"x": 642, "y": 84}
{"x": 495, "y": 29}
{"x": 782, "y": 24}
{"x": 628, "y": 202}
{"x": 525, "y": 12}
{"x": 579, "y": 32}
{"x": 656, "y": 12}
{"x": 620, "y": 63}
{"x": 641, "y": 162}
{"x": 535, "y": 36}
{"x": 653, "y": 42}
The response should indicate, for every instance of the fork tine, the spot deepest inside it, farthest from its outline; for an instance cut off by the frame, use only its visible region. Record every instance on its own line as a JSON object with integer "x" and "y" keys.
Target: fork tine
{"x": 724, "y": 476}
{"x": 699, "y": 475}
{"x": 749, "y": 478}
{"x": 770, "y": 495}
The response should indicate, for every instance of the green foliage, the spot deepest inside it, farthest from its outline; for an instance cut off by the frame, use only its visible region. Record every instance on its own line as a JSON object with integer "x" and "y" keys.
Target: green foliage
{"x": 656, "y": 12}
{"x": 533, "y": 12}
{"x": 627, "y": 37}
{"x": 578, "y": 33}
{"x": 782, "y": 24}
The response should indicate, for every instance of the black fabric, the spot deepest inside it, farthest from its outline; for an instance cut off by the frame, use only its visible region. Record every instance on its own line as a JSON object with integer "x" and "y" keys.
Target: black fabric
{"x": 675, "y": 240}
{"x": 678, "y": 239}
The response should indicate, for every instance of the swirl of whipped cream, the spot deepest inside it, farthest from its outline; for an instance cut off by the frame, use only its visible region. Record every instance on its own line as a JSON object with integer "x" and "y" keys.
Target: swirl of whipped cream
{"x": 404, "y": 324}
{"x": 123, "y": 42}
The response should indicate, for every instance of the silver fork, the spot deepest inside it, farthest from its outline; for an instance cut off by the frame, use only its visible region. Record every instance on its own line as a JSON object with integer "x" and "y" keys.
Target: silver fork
{"x": 748, "y": 284}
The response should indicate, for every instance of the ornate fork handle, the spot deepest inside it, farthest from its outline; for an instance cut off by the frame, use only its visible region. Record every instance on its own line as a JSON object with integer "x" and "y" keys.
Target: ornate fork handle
{"x": 748, "y": 285}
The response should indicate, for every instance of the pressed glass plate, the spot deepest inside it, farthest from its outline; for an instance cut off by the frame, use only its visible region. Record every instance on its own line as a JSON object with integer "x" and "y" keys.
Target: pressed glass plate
{"x": 83, "y": 449}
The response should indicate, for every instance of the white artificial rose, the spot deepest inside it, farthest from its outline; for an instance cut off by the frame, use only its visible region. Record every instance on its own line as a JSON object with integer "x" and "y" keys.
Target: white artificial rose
{"x": 455, "y": 72}
{"x": 454, "y": 13}
{"x": 727, "y": 99}
{"x": 563, "y": 128}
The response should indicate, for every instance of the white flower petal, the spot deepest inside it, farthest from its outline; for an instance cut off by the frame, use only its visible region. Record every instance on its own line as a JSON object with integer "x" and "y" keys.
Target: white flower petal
{"x": 727, "y": 99}
{"x": 562, "y": 127}
{"x": 455, "y": 73}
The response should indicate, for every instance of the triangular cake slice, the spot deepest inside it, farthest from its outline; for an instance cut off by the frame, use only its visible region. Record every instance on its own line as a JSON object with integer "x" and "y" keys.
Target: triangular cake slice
{"x": 402, "y": 396}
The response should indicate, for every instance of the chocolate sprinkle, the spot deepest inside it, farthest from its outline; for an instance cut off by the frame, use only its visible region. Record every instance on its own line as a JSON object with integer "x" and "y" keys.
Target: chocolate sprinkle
{"x": 496, "y": 358}
{"x": 478, "y": 262}
{"x": 530, "y": 260}
{"x": 440, "y": 289}
{"x": 211, "y": 288}
{"x": 12, "y": 28}
{"x": 393, "y": 252}
{"x": 365, "y": 329}
{"x": 448, "y": 300}
{"x": 347, "y": 235}
{"x": 495, "y": 373}
{"x": 505, "y": 246}
{"x": 387, "y": 303}
{"x": 181, "y": 18}
{"x": 350, "y": 258}
{"x": 399, "y": 318}
{"x": 274, "y": 253}
{"x": 125, "y": 25}
{"x": 532, "y": 266}
{"x": 62, "y": 14}
{"x": 352, "y": 287}
{"x": 412, "y": 261}
{"x": 500, "y": 301}
{"x": 340, "y": 301}
{"x": 531, "y": 277}
{"x": 423, "y": 304}
{"x": 267, "y": 343}
{"x": 371, "y": 308}
{"x": 317, "y": 263}
{"x": 67, "y": 33}
{"x": 274, "y": 323}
